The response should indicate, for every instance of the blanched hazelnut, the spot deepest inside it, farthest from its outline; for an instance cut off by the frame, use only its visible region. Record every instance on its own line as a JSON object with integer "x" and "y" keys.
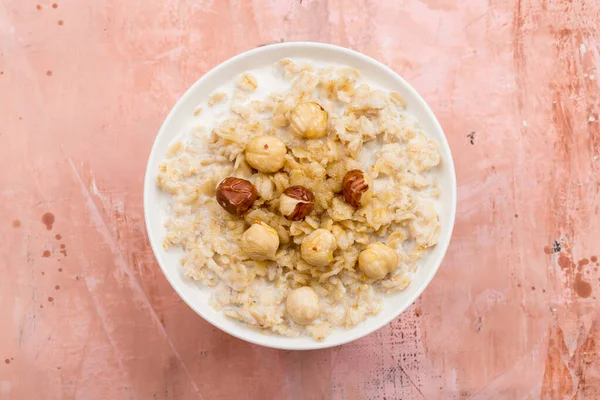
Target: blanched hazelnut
{"x": 318, "y": 247}
{"x": 260, "y": 241}
{"x": 357, "y": 188}
{"x": 296, "y": 202}
{"x": 266, "y": 153}
{"x": 236, "y": 195}
{"x": 308, "y": 120}
{"x": 302, "y": 305}
{"x": 377, "y": 260}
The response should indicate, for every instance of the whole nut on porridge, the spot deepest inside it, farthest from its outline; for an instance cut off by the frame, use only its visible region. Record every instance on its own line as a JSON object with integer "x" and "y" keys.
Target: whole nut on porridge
{"x": 296, "y": 202}
{"x": 260, "y": 241}
{"x": 302, "y": 305}
{"x": 236, "y": 195}
{"x": 357, "y": 188}
{"x": 318, "y": 247}
{"x": 266, "y": 153}
{"x": 308, "y": 120}
{"x": 377, "y": 260}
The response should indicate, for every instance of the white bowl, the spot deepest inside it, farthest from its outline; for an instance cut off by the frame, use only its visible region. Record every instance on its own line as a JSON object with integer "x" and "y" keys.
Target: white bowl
{"x": 179, "y": 118}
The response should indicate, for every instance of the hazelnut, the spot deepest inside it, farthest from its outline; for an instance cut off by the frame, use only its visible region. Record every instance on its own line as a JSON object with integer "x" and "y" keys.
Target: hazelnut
{"x": 308, "y": 120}
{"x": 357, "y": 188}
{"x": 266, "y": 153}
{"x": 260, "y": 241}
{"x": 302, "y": 305}
{"x": 377, "y": 260}
{"x": 236, "y": 195}
{"x": 318, "y": 247}
{"x": 296, "y": 202}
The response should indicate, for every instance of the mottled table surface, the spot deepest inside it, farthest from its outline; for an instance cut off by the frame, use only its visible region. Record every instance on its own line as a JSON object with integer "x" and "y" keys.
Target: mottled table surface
{"x": 85, "y": 310}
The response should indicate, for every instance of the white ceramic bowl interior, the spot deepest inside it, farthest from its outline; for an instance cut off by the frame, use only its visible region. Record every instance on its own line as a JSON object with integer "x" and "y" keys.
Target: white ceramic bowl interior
{"x": 179, "y": 120}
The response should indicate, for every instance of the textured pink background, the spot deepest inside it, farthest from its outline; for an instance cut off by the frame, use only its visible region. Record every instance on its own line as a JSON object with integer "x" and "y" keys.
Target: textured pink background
{"x": 84, "y": 87}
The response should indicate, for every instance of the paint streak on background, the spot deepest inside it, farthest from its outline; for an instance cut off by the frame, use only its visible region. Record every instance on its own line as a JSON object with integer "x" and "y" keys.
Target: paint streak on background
{"x": 85, "y": 310}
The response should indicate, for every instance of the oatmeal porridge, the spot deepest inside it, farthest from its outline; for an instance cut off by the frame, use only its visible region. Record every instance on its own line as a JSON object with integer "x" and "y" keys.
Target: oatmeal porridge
{"x": 302, "y": 208}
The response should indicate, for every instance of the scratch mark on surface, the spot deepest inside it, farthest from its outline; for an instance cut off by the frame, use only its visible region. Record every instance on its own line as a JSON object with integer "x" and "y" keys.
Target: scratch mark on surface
{"x": 106, "y": 333}
{"x": 411, "y": 381}
{"x": 171, "y": 54}
{"x": 122, "y": 264}
{"x": 518, "y": 53}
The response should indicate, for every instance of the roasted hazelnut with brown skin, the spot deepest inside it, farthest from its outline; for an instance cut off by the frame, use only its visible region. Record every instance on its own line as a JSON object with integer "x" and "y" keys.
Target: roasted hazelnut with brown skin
{"x": 236, "y": 195}
{"x": 357, "y": 188}
{"x": 296, "y": 202}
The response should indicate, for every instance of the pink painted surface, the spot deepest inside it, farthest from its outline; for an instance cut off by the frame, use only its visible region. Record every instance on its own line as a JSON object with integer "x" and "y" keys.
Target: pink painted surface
{"x": 86, "y": 312}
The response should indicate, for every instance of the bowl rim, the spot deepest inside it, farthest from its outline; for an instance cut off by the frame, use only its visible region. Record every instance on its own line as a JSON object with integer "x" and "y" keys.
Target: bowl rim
{"x": 156, "y": 247}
